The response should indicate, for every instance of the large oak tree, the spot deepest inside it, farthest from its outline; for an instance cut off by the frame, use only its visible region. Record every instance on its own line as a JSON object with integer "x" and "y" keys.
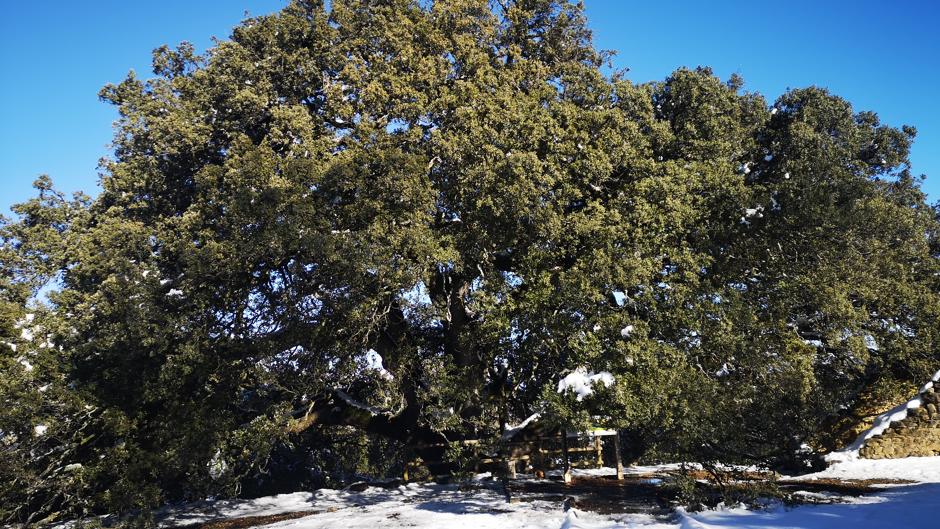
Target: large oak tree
{"x": 406, "y": 221}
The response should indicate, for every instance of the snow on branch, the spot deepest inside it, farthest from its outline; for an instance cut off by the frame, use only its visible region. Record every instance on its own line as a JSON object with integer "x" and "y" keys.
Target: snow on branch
{"x": 510, "y": 431}
{"x": 582, "y": 383}
{"x": 348, "y": 399}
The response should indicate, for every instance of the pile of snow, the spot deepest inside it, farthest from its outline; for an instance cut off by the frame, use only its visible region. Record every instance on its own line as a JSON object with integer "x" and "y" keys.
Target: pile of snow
{"x": 902, "y": 507}
{"x": 882, "y": 423}
{"x": 919, "y": 469}
{"x": 582, "y": 383}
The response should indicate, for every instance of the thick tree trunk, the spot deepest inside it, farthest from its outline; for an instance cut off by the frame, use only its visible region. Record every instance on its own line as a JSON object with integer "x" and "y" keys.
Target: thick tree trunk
{"x": 339, "y": 409}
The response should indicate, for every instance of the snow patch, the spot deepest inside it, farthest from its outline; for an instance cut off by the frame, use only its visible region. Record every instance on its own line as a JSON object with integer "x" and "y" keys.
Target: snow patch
{"x": 510, "y": 431}
{"x": 217, "y": 466}
{"x": 754, "y": 212}
{"x": 724, "y": 371}
{"x": 374, "y": 362}
{"x": 919, "y": 469}
{"x": 750, "y": 213}
{"x": 582, "y": 383}
{"x": 25, "y": 363}
{"x": 356, "y": 404}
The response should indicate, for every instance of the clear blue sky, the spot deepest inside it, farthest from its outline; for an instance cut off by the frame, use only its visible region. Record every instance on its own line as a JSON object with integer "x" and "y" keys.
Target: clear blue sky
{"x": 55, "y": 55}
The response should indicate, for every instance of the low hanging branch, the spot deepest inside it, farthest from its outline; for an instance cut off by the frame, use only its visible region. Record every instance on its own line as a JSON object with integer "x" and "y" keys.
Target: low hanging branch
{"x": 338, "y": 408}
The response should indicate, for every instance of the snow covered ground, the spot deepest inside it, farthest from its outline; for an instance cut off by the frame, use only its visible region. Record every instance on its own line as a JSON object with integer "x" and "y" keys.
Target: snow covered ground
{"x": 449, "y": 507}
{"x": 412, "y": 505}
{"x": 907, "y": 507}
{"x": 918, "y": 469}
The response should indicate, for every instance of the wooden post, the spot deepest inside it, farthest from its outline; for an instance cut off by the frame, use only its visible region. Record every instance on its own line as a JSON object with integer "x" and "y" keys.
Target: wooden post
{"x": 538, "y": 460}
{"x": 598, "y": 451}
{"x": 567, "y": 460}
{"x": 511, "y": 467}
{"x": 617, "y": 455}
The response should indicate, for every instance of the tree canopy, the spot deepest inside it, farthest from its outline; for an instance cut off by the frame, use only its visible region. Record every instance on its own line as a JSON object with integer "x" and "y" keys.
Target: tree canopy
{"x": 352, "y": 229}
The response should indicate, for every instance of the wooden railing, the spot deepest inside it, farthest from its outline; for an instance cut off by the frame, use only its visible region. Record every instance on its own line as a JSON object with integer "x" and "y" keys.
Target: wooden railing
{"x": 537, "y": 453}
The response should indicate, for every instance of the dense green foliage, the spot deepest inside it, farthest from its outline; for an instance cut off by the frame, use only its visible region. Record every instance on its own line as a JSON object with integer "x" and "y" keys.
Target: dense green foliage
{"x": 347, "y": 231}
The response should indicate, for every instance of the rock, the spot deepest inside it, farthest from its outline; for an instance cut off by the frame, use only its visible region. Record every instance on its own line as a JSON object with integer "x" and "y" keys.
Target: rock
{"x": 918, "y": 434}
